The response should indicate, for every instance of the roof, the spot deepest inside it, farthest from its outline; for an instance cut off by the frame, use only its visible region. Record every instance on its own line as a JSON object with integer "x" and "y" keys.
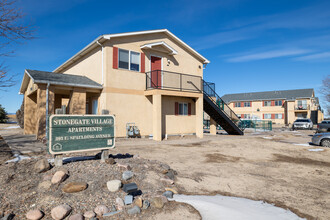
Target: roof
{"x": 270, "y": 95}
{"x": 57, "y": 79}
{"x": 109, "y": 36}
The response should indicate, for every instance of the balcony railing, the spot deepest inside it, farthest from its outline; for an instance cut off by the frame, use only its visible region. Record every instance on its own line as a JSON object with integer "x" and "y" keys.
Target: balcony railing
{"x": 160, "y": 79}
{"x": 302, "y": 107}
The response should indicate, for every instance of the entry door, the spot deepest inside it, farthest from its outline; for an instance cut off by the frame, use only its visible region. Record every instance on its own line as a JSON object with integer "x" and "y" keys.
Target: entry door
{"x": 94, "y": 107}
{"x": 156, "y": 73}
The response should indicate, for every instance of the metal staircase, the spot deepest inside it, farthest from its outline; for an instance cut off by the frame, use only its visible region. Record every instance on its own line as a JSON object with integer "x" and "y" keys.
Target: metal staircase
{"x": 220, "y": 112}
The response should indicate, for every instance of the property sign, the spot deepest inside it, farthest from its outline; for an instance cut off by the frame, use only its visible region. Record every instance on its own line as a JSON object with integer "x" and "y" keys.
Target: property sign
{"x": 75, "y": 133}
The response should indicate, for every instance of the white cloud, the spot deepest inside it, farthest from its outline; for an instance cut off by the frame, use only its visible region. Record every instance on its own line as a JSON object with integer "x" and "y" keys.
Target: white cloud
{"x": 267, "y": 55}
{"x": 317, "y": 56}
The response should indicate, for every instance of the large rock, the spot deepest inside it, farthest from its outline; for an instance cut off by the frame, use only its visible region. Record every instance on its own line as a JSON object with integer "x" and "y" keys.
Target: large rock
{"x": 127, "y": 175}
{"x": 157, "y": 202}
{"x": 41, "y": 166}
{"x": 60, "y": 212}
{"x": 34, "y": 214}
{"x": 101, "y": 209}
{"x": 134, "y": 210}
{"x": 138, "y": 201}
{"x": 74, "y": 187}
{"x": 89, "y": 214}
{"x": 120, "y": 203}
{"x": 172, "y": 189}
{"x": 76, "y": 217}
{"x": 146, "y": 204}
{"x": 59, "y": 177}
{"x": 168, "y": 194}
{"x": 110, "y": 161}
{"x": 170, "y": 174}
{"x": 114, "y": 185}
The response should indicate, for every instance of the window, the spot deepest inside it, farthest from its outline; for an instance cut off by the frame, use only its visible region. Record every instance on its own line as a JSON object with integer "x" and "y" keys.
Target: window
{"x": 267, "y": 116}
{"x": 129, "y": 60}
{"x": 183, "y": 109}
{"x": 237, "y": 104}
{"x": 267, "y": 103}
{"x": 247, "y": 104}
{"x": 246, "y": 116}
{"x": 278, "y": 103}
{"x": 278, "y": 116}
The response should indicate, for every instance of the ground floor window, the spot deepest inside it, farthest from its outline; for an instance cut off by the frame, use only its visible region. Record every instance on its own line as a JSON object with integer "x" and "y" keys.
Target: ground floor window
{"x": 278, "y": 116}
{"x": 267, "y": 116}
{"x": 183, "y": 108}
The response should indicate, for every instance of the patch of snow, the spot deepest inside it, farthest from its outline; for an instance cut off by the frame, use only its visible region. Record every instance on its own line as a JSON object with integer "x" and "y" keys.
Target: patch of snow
{"x": 12, "y": 127}
{"x": 73, "y": 159}
{"x": 18, "y": 158}
{"x": 305, "y": 145}
{"x": 267, "y": 137}
{"x": 316, "y": 149}
{"x": 234, "y": 208}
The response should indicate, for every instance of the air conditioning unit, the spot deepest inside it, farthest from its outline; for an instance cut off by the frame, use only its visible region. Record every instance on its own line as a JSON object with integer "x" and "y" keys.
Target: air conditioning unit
{"x": 132, "y": 131}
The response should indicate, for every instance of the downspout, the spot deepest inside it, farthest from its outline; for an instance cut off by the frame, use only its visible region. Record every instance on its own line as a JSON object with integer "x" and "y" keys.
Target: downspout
{"x": 47, "y": 103}
{"x": 102, "y": 62}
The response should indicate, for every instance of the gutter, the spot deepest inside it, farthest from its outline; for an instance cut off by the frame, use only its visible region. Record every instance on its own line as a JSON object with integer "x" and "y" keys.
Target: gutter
{"x": 102, "y": 48}
{"x": 47, "y": 109}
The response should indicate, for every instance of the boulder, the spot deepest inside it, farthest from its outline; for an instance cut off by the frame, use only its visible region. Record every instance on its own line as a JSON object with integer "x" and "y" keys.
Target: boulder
{"x": 60, "y": 212}
{"x": 89, "y": 214}
{"x": 59, "y": 177}
{"x": 172, "y": 189}
{"x": 76, "y": 217}
{"x": 113, "y": 185}
{"x": 157, "y": 202}
{"x": 120, "y": 203}
{"x": 138, "y": 201}
{"x": 146, "y": 204}
{"x": 35, "y": 214}
{"x": 74, "y": 187}
{"x": 168, "y": 194}
{"x": 41, "y": 165}
{"x": 127, "y": 175}
{"x": 110, "y": 161}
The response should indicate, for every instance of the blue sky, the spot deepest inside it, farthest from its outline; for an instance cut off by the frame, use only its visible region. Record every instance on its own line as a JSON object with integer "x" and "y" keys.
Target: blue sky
{"x": 252, "y": 45}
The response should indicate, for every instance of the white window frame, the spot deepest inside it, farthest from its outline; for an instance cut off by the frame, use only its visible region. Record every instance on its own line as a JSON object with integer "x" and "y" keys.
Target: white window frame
{"x": 277, "y": 101}
{"x": 247, "y": 104}
{"x": 129, "y": 60}
{"x": 270, "y": 116}
{"x": 270, "y": 103}
{"x": 277, "y": 116}
{"x": 238, "y": 105}
{"x": 183, "y": 103}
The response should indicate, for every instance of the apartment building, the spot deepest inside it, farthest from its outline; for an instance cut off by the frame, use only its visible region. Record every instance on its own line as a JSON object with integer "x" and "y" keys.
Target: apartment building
{"x": 281, "y": 107}
{"x": 150, "y": 78}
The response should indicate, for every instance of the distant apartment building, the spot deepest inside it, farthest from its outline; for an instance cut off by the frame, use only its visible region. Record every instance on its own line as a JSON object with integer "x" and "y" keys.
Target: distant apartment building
{"x": 281, "y": 107}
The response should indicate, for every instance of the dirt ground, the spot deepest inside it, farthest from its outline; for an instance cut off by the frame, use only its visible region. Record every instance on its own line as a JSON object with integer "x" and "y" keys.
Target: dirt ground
{"x": 275, "y": 167}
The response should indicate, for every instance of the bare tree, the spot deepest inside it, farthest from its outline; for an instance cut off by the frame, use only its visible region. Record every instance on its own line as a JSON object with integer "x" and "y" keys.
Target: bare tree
{"x": 325, "y": 90}
{"x": 12, "y": 31}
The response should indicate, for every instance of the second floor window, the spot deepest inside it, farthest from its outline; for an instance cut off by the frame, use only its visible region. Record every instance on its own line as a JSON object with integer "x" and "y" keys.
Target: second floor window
{"x": 278, "y": 103}
{"x": 267, "y": 103}
{"x": 129, "y": 60}
{"x": 237, "y": 104}
{"x": 247, "y": 104}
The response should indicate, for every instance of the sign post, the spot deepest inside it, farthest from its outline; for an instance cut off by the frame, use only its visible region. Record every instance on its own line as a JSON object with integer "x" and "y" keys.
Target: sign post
{"x": 80, "y": 133}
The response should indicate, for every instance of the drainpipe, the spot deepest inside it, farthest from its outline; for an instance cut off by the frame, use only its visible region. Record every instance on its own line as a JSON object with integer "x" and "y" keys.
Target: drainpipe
{"x": 47, "y": 103}
{"x": 102, "y": 61}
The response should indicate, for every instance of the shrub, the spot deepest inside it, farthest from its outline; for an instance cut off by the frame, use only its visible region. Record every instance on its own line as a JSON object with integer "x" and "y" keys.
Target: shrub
{"x": 3, "y": 114}
{"x": 20, "y": 115}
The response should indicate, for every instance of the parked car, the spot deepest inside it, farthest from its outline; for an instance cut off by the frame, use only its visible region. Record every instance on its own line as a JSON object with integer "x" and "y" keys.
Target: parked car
{"x": 324, "y": 126}
{"x": 322, "y": 139}
{"x": 304, "y": 123}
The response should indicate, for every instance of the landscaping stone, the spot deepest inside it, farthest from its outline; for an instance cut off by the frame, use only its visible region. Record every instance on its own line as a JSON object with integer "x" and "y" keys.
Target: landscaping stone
{"x": 127, "y": 175}
{"x": 76, "y": 217}
{"x": 170, "y": 174}
{"x": 74, "y": 187}
{"x": 110, "y": 161}
{"x": 125, "y": 166}
{"x": 168, "y": 194}
{"x": 34, "y": 214}
{"x": 41, "y": 166}
{"x": 8, "y": 217}
{"x": 164, "y": 168}
{"x": 111, "y": 213}
{"x": 113, "y": 185}
{"x": 100, "y": 210}
{"x": 146, "y": 204}
{"x": 130, "y": 187}
{"x": 128, "y": 199}
{"x": 135, "y": 210}
{"x": 138, "y": 201}
{"x": 120, "y": 203}
{"x": 59, "y": 177}
{"x": 172, "y": 189}
{"x": 157, "y": 202}
{"x": 89, "y": 214}
{"x": 60, "y": 212}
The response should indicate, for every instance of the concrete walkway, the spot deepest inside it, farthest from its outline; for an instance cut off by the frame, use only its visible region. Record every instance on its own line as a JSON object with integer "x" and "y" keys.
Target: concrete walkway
{"x": 20, "y": 143}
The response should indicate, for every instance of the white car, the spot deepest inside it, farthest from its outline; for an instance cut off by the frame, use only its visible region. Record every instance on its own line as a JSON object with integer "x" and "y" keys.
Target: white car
{"x": 303, "y": 123}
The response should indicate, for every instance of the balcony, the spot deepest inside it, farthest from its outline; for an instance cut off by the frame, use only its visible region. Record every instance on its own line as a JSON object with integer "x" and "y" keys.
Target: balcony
{"x": 161, "y": 79}
{"x": 302, "y": 107}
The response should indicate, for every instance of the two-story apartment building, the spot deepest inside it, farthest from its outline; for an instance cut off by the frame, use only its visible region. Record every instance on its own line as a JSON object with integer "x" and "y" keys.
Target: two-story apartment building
{"x": 150, "y": 78}
{"x": 281, "y": 107}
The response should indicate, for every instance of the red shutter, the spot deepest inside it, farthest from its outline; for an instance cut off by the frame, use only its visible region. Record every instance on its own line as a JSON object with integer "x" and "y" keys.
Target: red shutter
{"x": 263, "y": 103}
{"x": 273, "y": 116}
{"x": 176, "y": 109}
{"x": 282, "y": 116}
{"x": 234, "y": 104}
{"x": 242, "y": 104}
{"x": 143, "y": 70}
{"x": 242, "y": 115}
{"x": 250, "y": 104}
{"x": 189, "y": 109}
{"x": 115, "y": 58}
{"x": 273, "y": 103}
{"x": 263, "y": 116}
